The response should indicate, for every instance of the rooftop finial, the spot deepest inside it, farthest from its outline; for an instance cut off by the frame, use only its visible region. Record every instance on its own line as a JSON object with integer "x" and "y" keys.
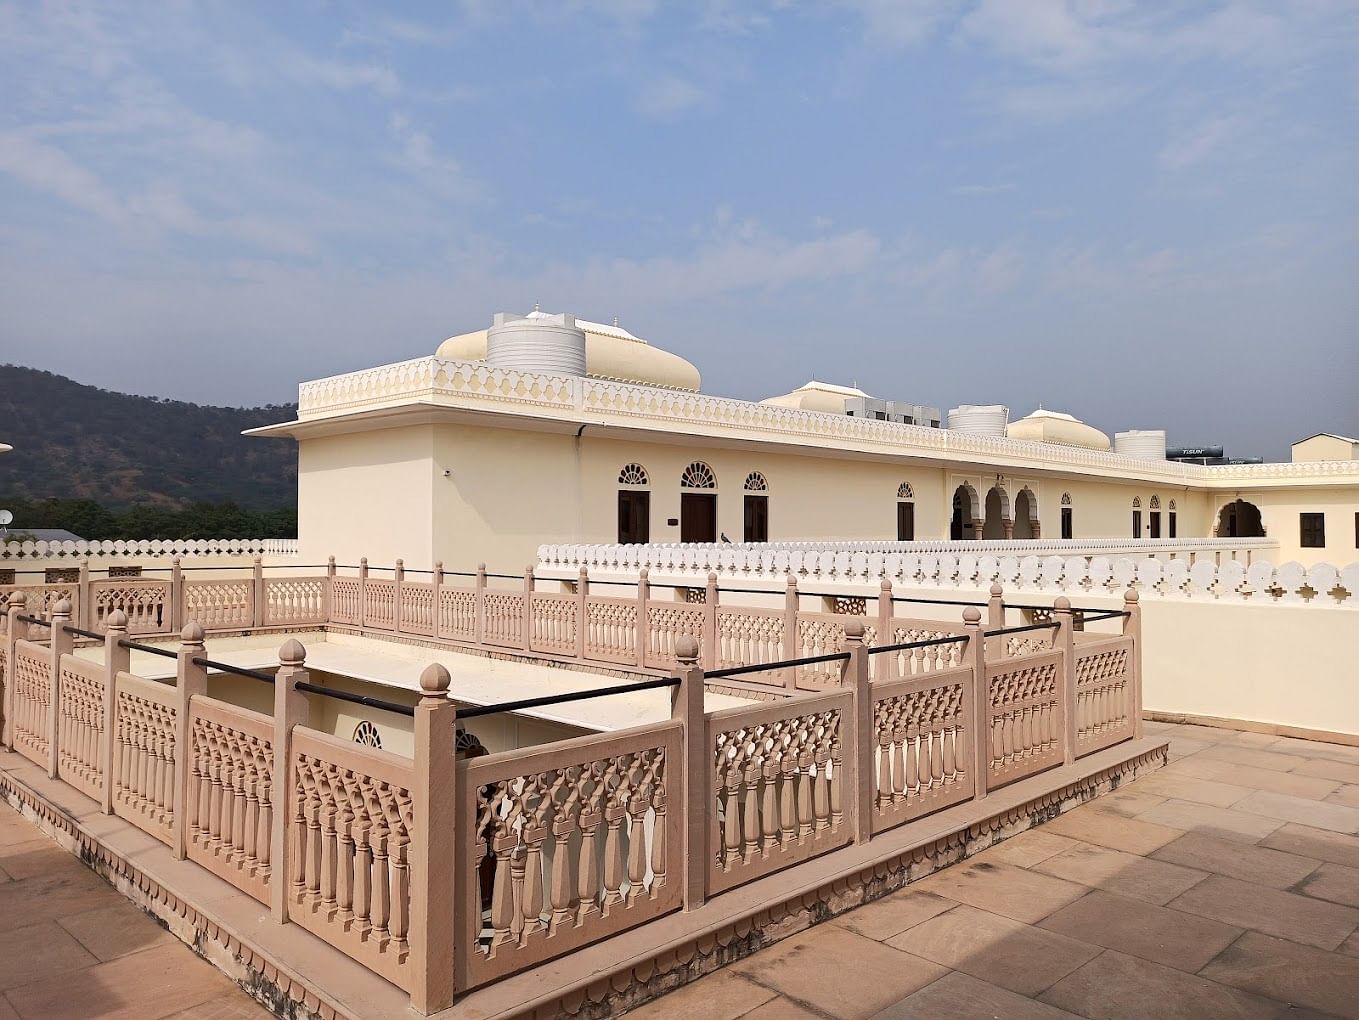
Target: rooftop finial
{"x": 615, "y": 322}
{"x": 535, "y": 307}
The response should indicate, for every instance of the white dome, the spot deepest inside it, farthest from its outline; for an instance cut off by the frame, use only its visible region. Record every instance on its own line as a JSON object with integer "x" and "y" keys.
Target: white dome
{"x": 817, "y": 396}
{"x": 1058, "y": 429}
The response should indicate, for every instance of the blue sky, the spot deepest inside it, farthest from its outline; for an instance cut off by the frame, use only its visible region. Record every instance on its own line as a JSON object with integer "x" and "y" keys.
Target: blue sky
{"x": 1144, "y": 214}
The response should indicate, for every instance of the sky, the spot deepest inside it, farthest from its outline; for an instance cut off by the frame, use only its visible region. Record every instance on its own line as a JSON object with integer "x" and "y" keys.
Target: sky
{"x": 1144, "y": 214}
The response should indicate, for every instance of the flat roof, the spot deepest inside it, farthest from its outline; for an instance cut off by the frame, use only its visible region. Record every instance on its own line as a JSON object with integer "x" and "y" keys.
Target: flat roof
{"x": 477, "y": 680}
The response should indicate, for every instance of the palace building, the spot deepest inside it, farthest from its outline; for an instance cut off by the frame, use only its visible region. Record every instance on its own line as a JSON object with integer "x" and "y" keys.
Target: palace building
{"x": 548, "y": 428}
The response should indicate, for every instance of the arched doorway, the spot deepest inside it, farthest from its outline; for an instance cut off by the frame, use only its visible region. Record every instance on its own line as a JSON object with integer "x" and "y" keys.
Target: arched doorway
{"x": 966, "y": 514}
{"x": 1240, "y": 519}
{"x": 698, "y": 504}
{"x": 634, "y": 505}
{"x": 905, "y": 513}
{"x": 1026, "y": 515}
{"x": 998, "y": 522}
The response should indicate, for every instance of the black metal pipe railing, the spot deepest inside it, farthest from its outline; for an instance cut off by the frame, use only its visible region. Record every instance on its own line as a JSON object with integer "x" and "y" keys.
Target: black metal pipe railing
{"x": 226, "y": 667}
{"x": 561, "y": 699}
{"x": 36, "y": 620}
{"x": 357, "y": 699}
{"x": 1089, "y": 616}
{"x": 82, "y": 632}
{"x": 164, "y": 653}
{"x": 953, "y": 640}
{"x": 810, "y": 660}
{"x": 1020, "y": 630}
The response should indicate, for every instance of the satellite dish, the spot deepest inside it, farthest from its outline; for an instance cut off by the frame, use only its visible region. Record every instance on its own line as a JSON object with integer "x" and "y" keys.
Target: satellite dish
{"x": 6, "y": 517}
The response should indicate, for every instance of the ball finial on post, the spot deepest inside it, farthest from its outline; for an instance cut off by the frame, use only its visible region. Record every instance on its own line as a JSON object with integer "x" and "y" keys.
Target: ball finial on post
{"x": 854, "y": 629}
{"x": 686, "y": 649}
{"x": 435, "y": 679}
{"x": 1130, "y": 595}
{"x": 116, "y": 620}
{"x": 972, "y": 615}
{"x": 62, "y": 608}
{"x": 192, "y": 634}
{"x": 1061, "y": 603}
{"x": 996, "y": 589}
{"x": 293, "y": 653}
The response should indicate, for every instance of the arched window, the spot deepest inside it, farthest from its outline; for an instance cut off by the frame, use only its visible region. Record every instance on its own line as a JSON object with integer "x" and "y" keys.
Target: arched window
{"x": 905, "y": 513}
{"x": 1154, "y": 517}
{"x": 1066, "y": 499}
{"x": 698, "y": 476}
{"x": 366, "y": 735}
{"x": 633, "y": 474}
{"x": 1156, "y": 502}
{"x": 1137, "y": 517}
{"x": 1137, "y": 501}
{"x": 1172, "y": 504}
{"x": 634, "y": 505}
{"x": 755, "y": 508}
{"x": 1068, "y": 523}
{"x": 1172, "y": 522}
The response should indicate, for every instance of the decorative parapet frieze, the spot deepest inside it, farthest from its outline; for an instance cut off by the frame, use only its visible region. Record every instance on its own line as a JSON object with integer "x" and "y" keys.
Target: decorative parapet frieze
{"x": 142, "y": 548}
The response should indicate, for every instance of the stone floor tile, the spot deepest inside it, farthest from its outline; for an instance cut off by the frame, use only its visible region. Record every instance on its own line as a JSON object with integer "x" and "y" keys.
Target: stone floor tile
{"x": 1272, "y": 911}
{"x": 722, "y": 995}
{"x": 1200, "y": 791}
{"x": 1320, "y": 844}
{"x": 1317, "y": 814}
{"x": 996, "y": 949}
{"x": 1333, "y": 882}
{"x": 110, "y": 932}
{"x": 35, "y": 951}
{"x": 1291, "y": 783}
{"x": 235, "y": 1006}
{"x": 1004, "y": 889}
{"x": 1125, "y": 874}
{"x": 1288, "y": 972}
{"x": 1104, "y": 828}
{"x": 1351, "y": 945}
{"x": 1114, "y": 986}
{"x": 1347, "y": 795}
{"x": 838, "y": 972}
{"x": 1129, "y": 801}
{"x": 1325, "y": 768}
{"x": 1250, "y": 756}
{"x": 38, "y": 856}
{"x": 958, "y": 996}
{"x": 153, "y": 982}
{"x": 1225, "y": 823}
{"x": 1206, "y": 734}
{"x": 1242, "y": 861}
{"x": 1159, "y": 934}
{"x": 1028, "y": 848}
{"x": 59, "y": 895}
{"x": 14, "y": 828}
{"x": 1318, "y": 749}
{"x": 6, "y": 1010}
{"x": 893, "y": 914}
{"x": 1250, "y": 738}
{"x": 779, "y": 1008}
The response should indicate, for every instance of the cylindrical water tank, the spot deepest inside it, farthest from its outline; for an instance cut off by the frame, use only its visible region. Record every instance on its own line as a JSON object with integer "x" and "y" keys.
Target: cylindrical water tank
{"x": 1149, "y": 444}
{"x": 979, "y": 419}
{"x": 537, "y": 342}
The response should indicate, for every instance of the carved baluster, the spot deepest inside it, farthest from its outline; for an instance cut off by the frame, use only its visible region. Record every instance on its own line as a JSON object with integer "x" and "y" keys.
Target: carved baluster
{"x": 238, "y": 784}
{"x": 298, "y": 829}
{"x": 936, "y": 745}
{"x": 264, "y": 849}
{"x": 398, "y": 812}
{"x": 731, "y": 815}
{"x": 613, "y": 853}
{"x": 888, "y": 757}
{"x": 313, "y": 814}
{"x": 804, "y": 791}
{"x": 345, "y": 831}
{"x": 563, "y": 886}
{"x": 750, "y": 809}
{"x": 363, "y": 858}
{"x": 330, "y": 783}
{"x": 821, "y": 787}
{"x": 201, "y": 785}
{"x": 637, "y": 805}
{"x": 534, "y": 835}
{"x": 658, "y": 843}
{"x": 587, "y": 881}
{"x": 381, "y": 911}
{"x": 250, "y": 789}
{"x": 769, "y": 807}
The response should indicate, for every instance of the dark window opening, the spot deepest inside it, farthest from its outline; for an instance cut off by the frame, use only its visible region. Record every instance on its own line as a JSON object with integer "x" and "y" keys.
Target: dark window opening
{"x": 1137, "y": 524}
{"x": 1154, "y": 523}
{"x": 634, "y": 516}
{"x": 1173, "y": 530}
{"x": 905, "y": 522}
{"x": 757, "y": 518}
{"x": 1067, "y": 529}
{"x": 1313, "y": 529}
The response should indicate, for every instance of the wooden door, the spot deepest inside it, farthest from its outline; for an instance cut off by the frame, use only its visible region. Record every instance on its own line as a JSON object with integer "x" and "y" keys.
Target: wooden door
{"x": 757, "y": 519}
{"x": 698, "y": 517}
{"x": 634, "y": 516}
{"x": 905, "y": 522}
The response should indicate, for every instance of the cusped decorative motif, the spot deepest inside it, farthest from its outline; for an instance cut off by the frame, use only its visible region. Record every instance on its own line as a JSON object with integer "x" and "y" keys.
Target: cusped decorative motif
{"x": 904, "y": 491}
{"x": 1156, "y": 502}
{"x": 366, "y": 735}
{"x": 755, "y": 482}
{"x": 1066, "y": 499}
{"x": 698, "y": 476}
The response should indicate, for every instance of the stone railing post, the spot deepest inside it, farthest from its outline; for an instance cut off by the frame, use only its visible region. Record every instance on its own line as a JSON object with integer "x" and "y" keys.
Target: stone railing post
{"x": 643, "y": 615}
{"x": 83, "y": 611}
{"x": 175, "y": 623}
{"x": 191, "y": 678}
{"x": 995, "y": 608}
{"x": 857, "y": 736}
{"x": 480, "y": 606}
{"x": 261, "y": 609}
{"x": 290, "y": 710}
{"x": 695, "y": 784}
{"x": 885, "y": 635}
{"x": 1065, "y": 639}
{"x": 17, "y": 630}
{"x": 61, "y": 643}
{"x": 791, "y": 644}
{"x": 435, "y": 811}
{"x": 116, "y": 660}
{"x": 1132, "y": 627}
{"x": 712, "y": 640}
{"x": 582, "y": 611}
{"x": 975, "y": 656}
{"x": 437, "y": 587}
{"x": 527, "y": 642}
{"x": 398, "y": 581}
{"x": 363, "y": 592}
{"x": 328, "y": 592}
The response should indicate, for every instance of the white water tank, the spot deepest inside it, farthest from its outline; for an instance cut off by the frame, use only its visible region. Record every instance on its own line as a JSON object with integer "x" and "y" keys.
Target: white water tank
{"x": 537, "y": 342}
{"x": 979, "y": 419}
{"x": 1149, "y": 444}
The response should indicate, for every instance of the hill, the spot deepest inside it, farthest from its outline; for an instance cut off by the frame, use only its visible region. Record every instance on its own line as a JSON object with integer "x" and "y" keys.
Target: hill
{"x": 78, "y": 442}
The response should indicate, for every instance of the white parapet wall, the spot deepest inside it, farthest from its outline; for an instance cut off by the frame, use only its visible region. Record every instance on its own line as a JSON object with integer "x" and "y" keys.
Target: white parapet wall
{"x": 146, "y": 548}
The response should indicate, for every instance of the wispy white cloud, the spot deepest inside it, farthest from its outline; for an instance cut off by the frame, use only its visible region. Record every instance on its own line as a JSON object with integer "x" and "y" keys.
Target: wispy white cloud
{"x": 668, "y": 95}
{"x": 1202, "y": 141}
{"x": 48, "y": 169}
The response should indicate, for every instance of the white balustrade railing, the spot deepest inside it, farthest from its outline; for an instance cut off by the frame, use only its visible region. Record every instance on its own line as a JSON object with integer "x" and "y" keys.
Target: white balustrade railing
{"x": 29, "y": 549}
{"x": 1227, "y": 570}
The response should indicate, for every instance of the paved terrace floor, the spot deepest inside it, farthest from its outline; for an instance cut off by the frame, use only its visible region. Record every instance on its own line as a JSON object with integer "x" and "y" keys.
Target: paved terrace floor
{"x": 1225, "y": 885}
{"x": 71, "y": 946}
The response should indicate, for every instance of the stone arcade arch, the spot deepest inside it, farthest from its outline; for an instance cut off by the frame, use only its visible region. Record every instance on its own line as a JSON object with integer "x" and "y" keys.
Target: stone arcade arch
{"x": 967, "y": 519}
{"x": 1026, "y": 515}
{"x": 1240, "y": 519}
{"x": 999, "y": 522}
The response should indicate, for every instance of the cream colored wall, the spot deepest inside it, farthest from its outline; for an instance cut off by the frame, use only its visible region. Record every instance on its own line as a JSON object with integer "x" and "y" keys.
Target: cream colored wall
{"x": 1279, "y": 510}
{"x": 1320, "y": 448}
{"x": 367, "y": 494}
